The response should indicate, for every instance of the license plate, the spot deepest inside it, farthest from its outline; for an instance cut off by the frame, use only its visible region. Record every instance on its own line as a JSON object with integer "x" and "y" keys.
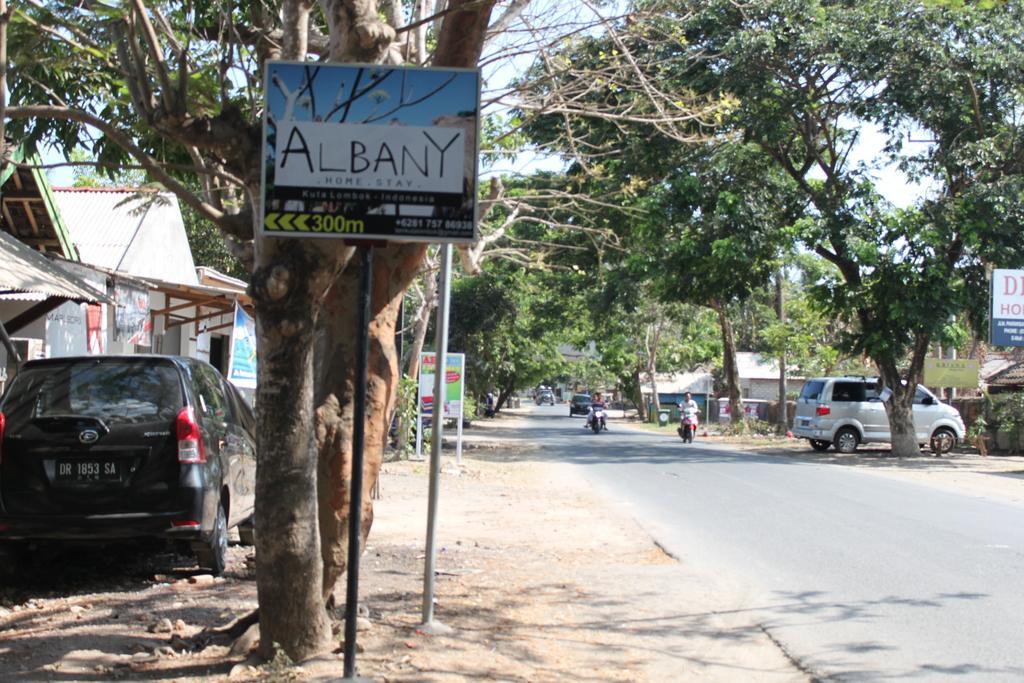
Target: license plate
{"x": 87, "y": 470}
{"x": 805, "y": 423}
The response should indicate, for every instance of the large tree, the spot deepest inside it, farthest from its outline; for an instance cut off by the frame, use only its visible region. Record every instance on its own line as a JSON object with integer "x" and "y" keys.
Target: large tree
{"x": 159, "y": 84}
{"x": 808, "y": 77}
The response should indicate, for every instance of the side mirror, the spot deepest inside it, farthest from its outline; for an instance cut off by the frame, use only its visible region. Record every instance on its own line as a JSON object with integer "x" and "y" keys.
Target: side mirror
{"x": 928, "y": 401}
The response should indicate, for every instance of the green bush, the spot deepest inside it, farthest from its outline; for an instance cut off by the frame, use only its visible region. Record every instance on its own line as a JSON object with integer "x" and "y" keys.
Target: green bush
{"x": 1008, "y": 416}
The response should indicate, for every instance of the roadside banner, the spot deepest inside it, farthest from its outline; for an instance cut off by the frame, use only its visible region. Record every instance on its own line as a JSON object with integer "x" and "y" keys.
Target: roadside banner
{"x": 946, "y": 372}
{"x": 451, "y": 406}
{"x": 242, "y": 364}
{"x": 132, "y": 322}
{"x": 360, "y": 151}
{"x": 1007, "y": 320}
{"x": 455, "y": 383}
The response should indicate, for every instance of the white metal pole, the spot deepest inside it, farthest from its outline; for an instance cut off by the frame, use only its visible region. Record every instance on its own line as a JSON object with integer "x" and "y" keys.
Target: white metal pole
{"x": 441, "y": 365}
{"x": 458, "y": 441}
{"x": 419, "y": 420}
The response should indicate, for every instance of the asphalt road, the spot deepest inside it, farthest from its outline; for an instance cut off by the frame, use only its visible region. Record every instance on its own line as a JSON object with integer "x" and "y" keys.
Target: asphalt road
{"x": 857, "y": 576}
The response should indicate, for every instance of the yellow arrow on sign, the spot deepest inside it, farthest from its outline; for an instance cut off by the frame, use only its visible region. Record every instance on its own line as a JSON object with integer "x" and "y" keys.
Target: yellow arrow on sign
{"x": 271, "y": 221}
{"x": 300, "y": 222}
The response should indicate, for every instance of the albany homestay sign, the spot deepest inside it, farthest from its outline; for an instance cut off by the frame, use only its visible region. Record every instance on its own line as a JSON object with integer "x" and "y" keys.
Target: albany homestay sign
{"x": 370, "y": 152}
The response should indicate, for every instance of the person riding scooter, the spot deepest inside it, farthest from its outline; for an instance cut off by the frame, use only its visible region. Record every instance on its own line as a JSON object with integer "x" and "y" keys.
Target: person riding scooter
{"x": 596, "y": 403}
{"x": 688, "y": 416}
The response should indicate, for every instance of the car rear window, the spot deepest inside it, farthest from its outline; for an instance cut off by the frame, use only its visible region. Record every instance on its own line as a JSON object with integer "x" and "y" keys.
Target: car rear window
{"x": 848, "y": 392}
{"x": 812, "y": 390}
{"x": 117, "y": 392}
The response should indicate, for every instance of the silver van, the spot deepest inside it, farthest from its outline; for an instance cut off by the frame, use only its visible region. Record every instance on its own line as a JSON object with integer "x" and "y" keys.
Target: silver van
{"x": 847, "y": 411}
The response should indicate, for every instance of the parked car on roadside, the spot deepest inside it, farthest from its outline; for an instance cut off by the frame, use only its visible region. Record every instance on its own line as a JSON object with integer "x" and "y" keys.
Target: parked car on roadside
{"x": 98, "y": 448}
{"x": 847, "y": 411}
{"x": 579, "y": 405}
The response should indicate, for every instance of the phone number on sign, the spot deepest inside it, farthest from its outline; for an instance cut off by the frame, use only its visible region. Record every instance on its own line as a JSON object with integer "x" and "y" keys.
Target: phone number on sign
{"x": 408, "y": 223}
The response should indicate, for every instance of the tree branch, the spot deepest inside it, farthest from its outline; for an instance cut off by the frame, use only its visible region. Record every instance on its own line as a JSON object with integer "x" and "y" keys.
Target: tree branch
{"x": 228, "y": 223}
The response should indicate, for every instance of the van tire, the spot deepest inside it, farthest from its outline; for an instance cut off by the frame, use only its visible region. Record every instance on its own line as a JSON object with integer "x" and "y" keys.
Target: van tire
{"x": 847, "y": 440}
{"x": 819, "y": 445}
{"x": 942, "y": 441}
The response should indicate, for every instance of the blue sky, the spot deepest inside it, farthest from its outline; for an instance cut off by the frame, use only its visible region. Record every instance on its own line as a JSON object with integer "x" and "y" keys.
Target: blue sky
{"x": 413, "y": 97}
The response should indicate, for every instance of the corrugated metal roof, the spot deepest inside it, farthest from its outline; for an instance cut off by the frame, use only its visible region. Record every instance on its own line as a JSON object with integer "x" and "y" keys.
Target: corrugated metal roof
{"x": 126, "y": 231}
{"x": 26, "y": 270}
{"x": 1012, "y": 376}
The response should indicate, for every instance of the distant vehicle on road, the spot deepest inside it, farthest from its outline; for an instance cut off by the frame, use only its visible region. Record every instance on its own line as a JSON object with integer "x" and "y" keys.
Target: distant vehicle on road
{"x": 544, "y": 397}
{"x": 579, "y": 405}
{"x": 847, "y": 411}
{"x": 97, "y": 448}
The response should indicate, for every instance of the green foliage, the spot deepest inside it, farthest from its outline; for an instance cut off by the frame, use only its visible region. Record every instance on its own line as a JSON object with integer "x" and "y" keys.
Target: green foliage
{"x": 978, "y": 429}
{"x": 281, "y": 668}
{"x": 405, "y": 410}
{"x": 208, "y": 246}
{"x": 1008, "y": 416}
{"x": 510, "y": 325}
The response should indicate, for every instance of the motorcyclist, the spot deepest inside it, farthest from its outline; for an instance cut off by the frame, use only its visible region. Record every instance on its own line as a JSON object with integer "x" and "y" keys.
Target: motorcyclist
{"x": 687, "y": 407}
{"x": 596, "y": 403}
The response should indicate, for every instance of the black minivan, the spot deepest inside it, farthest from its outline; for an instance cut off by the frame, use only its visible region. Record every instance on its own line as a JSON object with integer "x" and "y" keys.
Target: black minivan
{"x": 97, "y": 448}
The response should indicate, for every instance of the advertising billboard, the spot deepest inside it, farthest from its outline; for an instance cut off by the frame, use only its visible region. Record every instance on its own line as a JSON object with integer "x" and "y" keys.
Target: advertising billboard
{"x": 370, "y": 152}
{"x": 242, "y": 364}
{"x": 455, "y": 383}
{"x": 1007, "y": 321}
{"x": 945, "y": 372}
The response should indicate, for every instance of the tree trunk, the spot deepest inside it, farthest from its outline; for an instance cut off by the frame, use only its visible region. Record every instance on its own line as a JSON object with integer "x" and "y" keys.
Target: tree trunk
{"x": 900, "y": 405}
{"x": 289, "y": 281}
{"x": 358, "y": 34}
{"x": 504, "y": 394}
{"x": 732, "y": 375}
{"x": 394, "y": 268}
{"x": 638, "y": 396}
{"x": 780, "y": 311}
{"x": 419, "y": 335}
{"x": 419, "y": 330}
{"x": 651, "y": 348}
{"x": 654, "y": 389}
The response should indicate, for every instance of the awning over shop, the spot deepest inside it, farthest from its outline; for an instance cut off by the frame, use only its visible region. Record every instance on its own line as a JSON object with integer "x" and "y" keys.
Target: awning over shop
{"x": 26, "y": 270}
{"x": 193, "y": 304}
{"x": 25, "y": 274}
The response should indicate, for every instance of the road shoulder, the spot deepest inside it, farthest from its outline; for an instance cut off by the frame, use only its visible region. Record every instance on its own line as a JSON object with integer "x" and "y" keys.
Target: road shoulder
{"x": 542, "y": 579}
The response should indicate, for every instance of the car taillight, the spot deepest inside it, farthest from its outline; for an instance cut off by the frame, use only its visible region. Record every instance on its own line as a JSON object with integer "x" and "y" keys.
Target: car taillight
{"x": 190, "y": 440}
{"x": 822, "y": 410}
{"x": 3, "y": 422}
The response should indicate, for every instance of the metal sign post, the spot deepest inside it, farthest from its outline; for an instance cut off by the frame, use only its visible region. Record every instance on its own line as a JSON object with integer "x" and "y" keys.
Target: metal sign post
{"x": 444, "y": 293}
{"x": 355, "y": 517}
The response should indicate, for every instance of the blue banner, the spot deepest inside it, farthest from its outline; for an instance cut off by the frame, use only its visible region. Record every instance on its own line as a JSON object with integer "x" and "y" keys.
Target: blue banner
{"x": 242, "y": 365}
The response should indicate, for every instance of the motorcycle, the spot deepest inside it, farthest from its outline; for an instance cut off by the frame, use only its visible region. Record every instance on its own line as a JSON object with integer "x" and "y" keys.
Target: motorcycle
{"x": 597, "y": 420}
{"x": 688, "y": 424}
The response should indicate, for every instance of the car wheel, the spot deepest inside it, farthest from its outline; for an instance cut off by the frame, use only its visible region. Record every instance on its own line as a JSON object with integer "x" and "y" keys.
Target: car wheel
{"x": 819, "y": 445}
{"x": 212, "y": 553}
{"x": 247, "y": 532}
{"x": 942, "y": 441}
{"x": 847, "y": 440}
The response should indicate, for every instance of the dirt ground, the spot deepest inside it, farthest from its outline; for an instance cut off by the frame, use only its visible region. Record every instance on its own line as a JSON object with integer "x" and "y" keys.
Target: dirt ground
{"x": 538, "y": 579}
